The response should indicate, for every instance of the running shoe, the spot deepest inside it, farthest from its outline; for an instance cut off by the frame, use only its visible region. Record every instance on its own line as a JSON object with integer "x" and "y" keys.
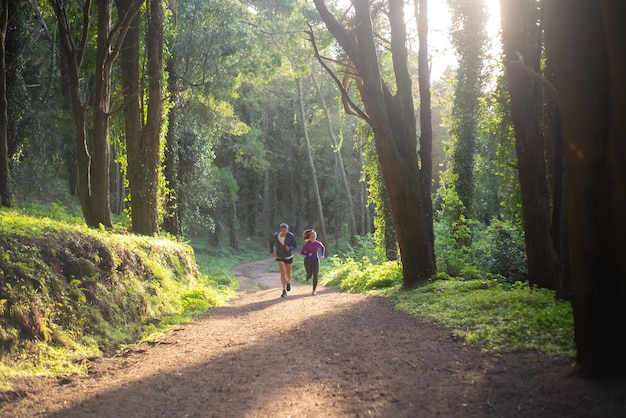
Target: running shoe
{"x": 284, "y": 294}
{"x": 288, "y": 287}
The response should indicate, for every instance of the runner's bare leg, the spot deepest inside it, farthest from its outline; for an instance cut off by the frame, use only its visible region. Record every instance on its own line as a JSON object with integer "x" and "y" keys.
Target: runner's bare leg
{"x": 283, "y": 273}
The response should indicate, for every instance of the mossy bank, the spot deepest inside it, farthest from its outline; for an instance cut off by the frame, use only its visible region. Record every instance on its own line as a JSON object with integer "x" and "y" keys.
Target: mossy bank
{"x": 68, "y": 292}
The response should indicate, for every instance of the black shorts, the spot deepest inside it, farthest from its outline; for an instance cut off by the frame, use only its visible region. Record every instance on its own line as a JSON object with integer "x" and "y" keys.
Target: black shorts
{"x": 285, "y": 260}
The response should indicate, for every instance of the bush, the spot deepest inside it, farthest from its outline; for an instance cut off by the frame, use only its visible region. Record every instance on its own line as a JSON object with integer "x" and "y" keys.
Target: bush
{"x": 351, "y": 276}
{"x": 507, "y": 252}
{"x": 467, "y": 249}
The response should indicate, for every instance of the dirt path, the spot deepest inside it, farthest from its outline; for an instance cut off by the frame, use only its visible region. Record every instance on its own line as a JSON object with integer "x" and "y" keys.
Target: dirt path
{"x": 330, "y": 355}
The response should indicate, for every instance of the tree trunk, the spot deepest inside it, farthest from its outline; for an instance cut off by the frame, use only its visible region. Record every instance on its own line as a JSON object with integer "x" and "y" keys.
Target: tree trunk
{"x": 555, "y": 152}
{"x": 426, "y": 126}
{"x": 129, "y": 63}
{"x": 171, "y": 219}
{"x": 145, "y": 213}
{"x": 171, "y": 222}
{"x": 73, "y": 53}
{"x": 521, "y": 37}
{"x": 468, "y": 40}
{"x": 392, "y": 119}
{"x": 100, "y": 181}
{"x": 586, "y": 41}
{"x": 316, "y": 189}
{"x": 5, "y": 192}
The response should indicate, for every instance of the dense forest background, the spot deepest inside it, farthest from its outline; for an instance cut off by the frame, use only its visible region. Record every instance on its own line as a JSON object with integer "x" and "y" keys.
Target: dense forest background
{"x": 222, "y": 119}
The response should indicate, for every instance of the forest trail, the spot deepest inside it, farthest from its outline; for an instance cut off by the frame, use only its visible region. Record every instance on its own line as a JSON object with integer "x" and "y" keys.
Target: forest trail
{"x": 330, "y": 355}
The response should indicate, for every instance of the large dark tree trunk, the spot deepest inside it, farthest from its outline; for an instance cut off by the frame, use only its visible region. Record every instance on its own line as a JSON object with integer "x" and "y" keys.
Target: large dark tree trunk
{"x": 146, "y": 222}
{"x": 392, "y": 118}
{"x": 555, "y": 153}
{"x": 143, "y": 140}
{"x": 93, "y": 170}
{"x": 426, "y": 126}
{"x": 5, "y": 193}
{"x": 586, "y": 40}
{"x": 100, "y": 181}
{"x": 521, "y": 36}
{"x": 138, "y": 174}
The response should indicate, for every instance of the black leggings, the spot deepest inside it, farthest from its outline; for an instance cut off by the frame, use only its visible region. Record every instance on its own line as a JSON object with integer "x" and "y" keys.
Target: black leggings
{"x": 312, "y": 269}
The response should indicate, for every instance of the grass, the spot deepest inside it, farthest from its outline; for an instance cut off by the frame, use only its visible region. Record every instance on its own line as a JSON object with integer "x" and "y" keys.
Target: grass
{"x": 68, "y": 292}
{"x": 496, "y": 316}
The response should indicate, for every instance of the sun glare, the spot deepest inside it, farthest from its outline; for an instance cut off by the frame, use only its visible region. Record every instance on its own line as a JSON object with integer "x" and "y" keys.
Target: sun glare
{"x": 440, "y": 47}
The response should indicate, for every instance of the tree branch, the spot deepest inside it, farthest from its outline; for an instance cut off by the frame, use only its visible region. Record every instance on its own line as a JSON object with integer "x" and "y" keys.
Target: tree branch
{"x": 349, "y": 106}
{"x": 547, "y": 85}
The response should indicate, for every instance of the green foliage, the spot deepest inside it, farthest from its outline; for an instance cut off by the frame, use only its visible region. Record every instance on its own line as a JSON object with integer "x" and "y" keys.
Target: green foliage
{"x": 453, "y": 235}
{"x": 502, "y": 317}
{"x": 505, "y": 250}
{"x": 352, "y": 276}
{"x": 466, "y": 248}
{"x": 498, "y": 316}
{"x": 366, "y": 246}
{"x": 384, "y": 231}
{"x": 68, "y": 290}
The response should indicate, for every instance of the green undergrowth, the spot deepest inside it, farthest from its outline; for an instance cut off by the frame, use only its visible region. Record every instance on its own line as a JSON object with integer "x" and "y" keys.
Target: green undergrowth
{"x": 497, "y": 316}
{"x": 68, "y": 292}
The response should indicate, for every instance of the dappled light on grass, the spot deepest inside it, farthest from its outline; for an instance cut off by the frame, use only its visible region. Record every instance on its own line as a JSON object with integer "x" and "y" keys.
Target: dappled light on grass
{"x": 496, "y": 315}
{"x": 71, "y": 292}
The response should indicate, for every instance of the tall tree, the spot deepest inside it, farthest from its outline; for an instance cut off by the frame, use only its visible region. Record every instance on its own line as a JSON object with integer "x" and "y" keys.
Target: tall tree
{"x": 93, "y": 166}
{"x": 142, "y": 139}
{"x": 99, "y": 207}
{"x": 74, "y": 51}
{"x": 522, "y": 42}
{"x": 586, "y": 41}
{"x": 469, "y": 39}
{"x": 392, "y": 118}
{"x": 426, "y": 126}
{"x": 313, "y": 178}
{"x": 146, "y": 221}
{"x": 203, "y": 70}
{"x": 337, "y": 150}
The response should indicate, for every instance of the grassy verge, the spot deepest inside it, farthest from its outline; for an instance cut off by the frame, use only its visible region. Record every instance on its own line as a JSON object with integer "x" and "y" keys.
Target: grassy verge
{"x": 496, "y": 316}
{"x": 68, "y": 292}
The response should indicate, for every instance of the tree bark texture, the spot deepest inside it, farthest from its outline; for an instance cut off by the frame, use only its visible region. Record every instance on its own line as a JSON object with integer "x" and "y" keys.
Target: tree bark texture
{"x": 521, "y": 37}
{"x": 586, "y": 41}
{"x": 100, "y": 181}
{"x": 129, "y": 62}
{"x": 426, "y": 126}
{"x": 150, "y": 152}
{"x": 392, "y": 119}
